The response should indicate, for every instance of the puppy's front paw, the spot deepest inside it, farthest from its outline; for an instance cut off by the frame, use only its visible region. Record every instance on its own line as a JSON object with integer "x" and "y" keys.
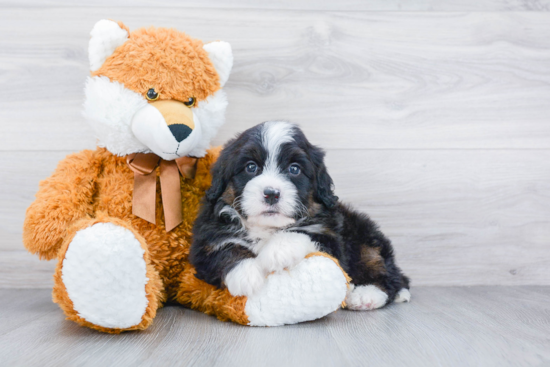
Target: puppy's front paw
{"x": 284, "y": 250}
{"x": 245, "y": 279}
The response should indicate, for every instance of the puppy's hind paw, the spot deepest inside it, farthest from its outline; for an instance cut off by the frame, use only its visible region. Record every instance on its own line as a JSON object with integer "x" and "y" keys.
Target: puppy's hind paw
{"x": 404, "y": 295}
{"x": 245, "y": 279}
{"x": 365, "y": 298}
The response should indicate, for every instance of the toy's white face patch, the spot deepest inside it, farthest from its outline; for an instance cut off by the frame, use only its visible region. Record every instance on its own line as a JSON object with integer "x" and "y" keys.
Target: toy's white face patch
{"x": 151, "y": 129}
{"x": 124, "y": 122}
{"x": 109, "y": 108}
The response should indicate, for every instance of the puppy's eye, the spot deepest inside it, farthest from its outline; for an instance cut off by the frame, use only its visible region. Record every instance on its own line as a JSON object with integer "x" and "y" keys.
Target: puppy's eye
{"x": 294, "y": 169}
{"x": 251, "y": 167}
{"x": 190, "y": 102}
{"x": 152, "y": 95}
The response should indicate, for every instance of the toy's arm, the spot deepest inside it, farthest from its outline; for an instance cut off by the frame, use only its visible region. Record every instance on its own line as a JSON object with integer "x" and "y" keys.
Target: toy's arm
{"x": 61, "y": 199}
{"x": 314, "y": 288}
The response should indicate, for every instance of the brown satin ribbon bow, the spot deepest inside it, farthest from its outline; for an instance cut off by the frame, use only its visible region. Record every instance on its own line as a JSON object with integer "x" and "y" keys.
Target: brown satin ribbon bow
{"x": 145, "y": 186}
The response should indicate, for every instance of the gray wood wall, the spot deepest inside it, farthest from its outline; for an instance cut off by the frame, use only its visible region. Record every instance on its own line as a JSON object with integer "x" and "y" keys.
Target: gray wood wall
{"x": 435, "y": 115}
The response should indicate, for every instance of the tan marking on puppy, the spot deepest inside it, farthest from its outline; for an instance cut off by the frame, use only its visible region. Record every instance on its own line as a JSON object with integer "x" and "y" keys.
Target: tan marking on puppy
{"x": 313, "y": 207}
{"x": 370, "y": 256}
{"x": 228, "y": 195}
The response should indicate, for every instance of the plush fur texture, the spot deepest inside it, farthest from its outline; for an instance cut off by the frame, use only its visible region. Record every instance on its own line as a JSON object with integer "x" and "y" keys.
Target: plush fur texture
{"x": 110, "y": 107}
{"x": 312, "y": 289}
{"x": 82, "y": 214}
{"x": 271, "y": 203}
{"x": 105, "y": 37}
{"x": 153, "y": 288}
{"x": 96, "y": 186}
{"x": 176, "y": 67}
{"x": 104, "y": 273}
{"x": 168, "y": 60}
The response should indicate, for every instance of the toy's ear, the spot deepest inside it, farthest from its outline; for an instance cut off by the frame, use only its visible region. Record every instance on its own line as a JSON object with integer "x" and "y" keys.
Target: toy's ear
{"x": 222, "y": 57}
{"x": 106, "y": 36}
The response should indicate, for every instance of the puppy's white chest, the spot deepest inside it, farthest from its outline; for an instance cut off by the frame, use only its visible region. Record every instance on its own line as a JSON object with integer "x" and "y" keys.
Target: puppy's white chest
{"x": 262, "y": 237}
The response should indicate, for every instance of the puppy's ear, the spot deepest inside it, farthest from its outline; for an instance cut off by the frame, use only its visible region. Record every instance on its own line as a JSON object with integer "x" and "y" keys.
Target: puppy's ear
{"x": 323, "y": 188}
{"x": 219, "y": 181}
{"x": 222, "y": 171}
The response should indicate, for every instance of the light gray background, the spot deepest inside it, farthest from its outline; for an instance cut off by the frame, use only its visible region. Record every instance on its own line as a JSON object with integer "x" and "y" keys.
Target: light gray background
{"x": 435, "y": 115}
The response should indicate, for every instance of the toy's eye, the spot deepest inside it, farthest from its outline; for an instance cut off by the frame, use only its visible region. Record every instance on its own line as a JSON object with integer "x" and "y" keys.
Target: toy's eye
{"x": 294, "y": 169}
{"x": 190, "y": 102}
{"x": 152, "y": 95}
{"x": 251, "y": 167}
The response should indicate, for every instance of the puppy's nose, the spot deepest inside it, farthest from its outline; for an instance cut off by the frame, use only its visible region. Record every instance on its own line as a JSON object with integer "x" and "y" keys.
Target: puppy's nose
{"x": 271, "y": 195}
{"x": 180, "y": 131}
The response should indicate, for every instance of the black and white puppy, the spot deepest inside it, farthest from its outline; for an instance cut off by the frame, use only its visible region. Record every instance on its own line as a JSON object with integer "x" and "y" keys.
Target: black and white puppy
{"x": 270, "y": 204}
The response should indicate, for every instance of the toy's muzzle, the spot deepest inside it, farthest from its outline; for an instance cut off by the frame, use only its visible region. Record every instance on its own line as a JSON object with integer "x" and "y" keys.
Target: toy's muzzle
{"x": 178, "y": 117}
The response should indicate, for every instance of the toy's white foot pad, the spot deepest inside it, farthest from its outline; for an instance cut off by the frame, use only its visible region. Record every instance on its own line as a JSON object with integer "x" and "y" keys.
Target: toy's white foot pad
{"x": 365, "y": 297}
{"x": 105, "y": 275}
{"x": 311, "y": 290}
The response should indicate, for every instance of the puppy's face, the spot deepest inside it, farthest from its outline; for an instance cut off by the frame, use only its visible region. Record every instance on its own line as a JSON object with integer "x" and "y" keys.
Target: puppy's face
{"x": 270, "y": 176}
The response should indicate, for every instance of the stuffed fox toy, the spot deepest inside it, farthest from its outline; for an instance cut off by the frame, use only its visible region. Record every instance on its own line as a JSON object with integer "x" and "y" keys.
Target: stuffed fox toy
{"x": 118, "y": 219}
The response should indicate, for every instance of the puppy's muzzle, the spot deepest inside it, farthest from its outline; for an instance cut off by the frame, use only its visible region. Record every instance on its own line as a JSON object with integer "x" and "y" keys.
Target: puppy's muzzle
{"x": 178, "y": 117}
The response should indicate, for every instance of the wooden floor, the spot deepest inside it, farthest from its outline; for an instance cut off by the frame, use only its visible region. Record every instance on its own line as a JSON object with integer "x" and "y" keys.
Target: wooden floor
{"x": 442, "y": 326}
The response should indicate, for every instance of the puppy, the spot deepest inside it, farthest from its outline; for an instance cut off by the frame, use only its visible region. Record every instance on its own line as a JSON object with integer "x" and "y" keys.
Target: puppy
{"x": 270, "y": 204}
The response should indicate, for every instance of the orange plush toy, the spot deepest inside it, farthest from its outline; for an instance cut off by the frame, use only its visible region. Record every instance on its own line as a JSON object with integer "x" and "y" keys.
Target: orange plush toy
{"x": 118, "y": 219}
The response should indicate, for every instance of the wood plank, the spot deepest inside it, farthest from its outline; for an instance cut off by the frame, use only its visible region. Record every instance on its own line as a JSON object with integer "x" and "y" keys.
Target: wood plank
{"x": 21, "y": 270}
{"x": 455, "y": 217}
{"x": 22, "y": 171}
{"x": 20, "y": 307}
{"x": 344, "y": 5}
{"x": 351, "y": 79}
{"x": 454, "y": 326}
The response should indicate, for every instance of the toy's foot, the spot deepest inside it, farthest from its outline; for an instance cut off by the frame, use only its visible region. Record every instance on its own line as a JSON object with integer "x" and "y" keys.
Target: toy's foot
{"x": 103, "y": 280}
{"x": 365, "y": 297}
{"x": 312, "y": 289}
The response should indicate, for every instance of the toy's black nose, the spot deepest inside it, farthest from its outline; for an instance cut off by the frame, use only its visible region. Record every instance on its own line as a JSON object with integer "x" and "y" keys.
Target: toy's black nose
{"x": 180, "y": 131}
{"x": 271, "y": 195}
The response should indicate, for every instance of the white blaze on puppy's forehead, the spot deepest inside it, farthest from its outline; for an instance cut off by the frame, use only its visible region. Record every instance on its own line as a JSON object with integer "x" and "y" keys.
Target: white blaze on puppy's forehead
{"x": 274, "y": 135}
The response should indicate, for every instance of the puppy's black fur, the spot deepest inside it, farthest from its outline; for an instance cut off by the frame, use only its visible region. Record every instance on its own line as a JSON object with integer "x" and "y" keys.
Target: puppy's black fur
{"x": 351, "y": 237}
